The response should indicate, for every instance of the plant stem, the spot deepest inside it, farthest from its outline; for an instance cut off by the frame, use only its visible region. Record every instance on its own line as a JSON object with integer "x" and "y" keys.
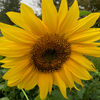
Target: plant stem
{"x": 25, "y": 94}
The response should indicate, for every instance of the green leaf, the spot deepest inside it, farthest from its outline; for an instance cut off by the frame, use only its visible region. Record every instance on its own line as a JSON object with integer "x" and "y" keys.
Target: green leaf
{"x": 84, "y": 13}
{"x": 70, "y": 97}
{"x": 98, "y": 96}
{"x": 38, "y": 98}
{"x": 4, "y": 98}
{"x": 56, "y": 95}
{"x": 16, "y": 26}
{"x": 5, "y": 88}
{"x": 1, "y": 34}
{"x": 27, "y": 91}
{"x": 3, "y": 71}
{"x": 1, "y": 57}
{"x": 0, "y": 75}
{"x": 1, "y": 86}
{"x": 22, "y": 95}
{"x": 81, "y": 92}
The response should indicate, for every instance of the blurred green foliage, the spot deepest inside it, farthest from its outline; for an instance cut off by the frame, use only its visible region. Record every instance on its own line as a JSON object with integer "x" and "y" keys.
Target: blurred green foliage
{"x": 8, "y": 5}
{"x": 84, "y": 13}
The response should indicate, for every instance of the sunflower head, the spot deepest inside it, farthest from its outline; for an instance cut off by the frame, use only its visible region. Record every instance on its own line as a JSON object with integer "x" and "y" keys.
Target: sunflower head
{"x": 49, "y": 51}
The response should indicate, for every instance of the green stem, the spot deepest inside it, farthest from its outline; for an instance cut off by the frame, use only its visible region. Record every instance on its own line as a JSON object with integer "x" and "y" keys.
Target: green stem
{"x": 25, "y": 94}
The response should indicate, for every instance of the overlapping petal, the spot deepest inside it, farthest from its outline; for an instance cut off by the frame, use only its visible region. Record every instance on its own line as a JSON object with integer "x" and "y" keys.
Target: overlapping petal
{"x": 35, "y": 24}
{"x": 63, "y": 76}
{"x": 84, "y": 24}
{"x": 17, "y": 34}
{"x": 18, "y": 70}
{"x": 90, "y": 35}
{"x": 4, "y": 40}
{"x": 77, "y": 80}
{"x": 85, "y": 49}
{"x": 49, "y": 15}
{"x": 10, "y": 50}
{"x": 62, "y": 11}
{"x": 25, "y": 76}
{"x": 31, "y": 81}
{"x": 82, "y": 61}
{"x": 60, "y": 83}
{"x": 12, "y": 83}
{"x": 10, "y": 60}
{"x": 77, "y": 70}
{"x": 45, "y": 81}
{"x": 22, "y": 79}
{"x": 18, "y": 20}
{"x": 68, "y": 75}
{"x": 70, "y": 19}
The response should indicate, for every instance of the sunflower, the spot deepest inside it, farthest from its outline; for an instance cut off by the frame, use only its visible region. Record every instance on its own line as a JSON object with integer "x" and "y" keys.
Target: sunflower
{"x": 49, "y": 51}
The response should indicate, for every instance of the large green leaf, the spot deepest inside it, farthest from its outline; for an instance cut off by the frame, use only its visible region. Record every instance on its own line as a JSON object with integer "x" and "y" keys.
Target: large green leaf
{"x": 0, "y": 34}
{"x": 56, "y": 95}
{"x": 22, "y": 95}
{"x": 38, "y": 98}
{"x": 81, "y": 93}
{"x": 1, "y": 86}
{"x": 84, "y": 13}
{"x": 1, "y": 57}
{"x": 4, "y": 98}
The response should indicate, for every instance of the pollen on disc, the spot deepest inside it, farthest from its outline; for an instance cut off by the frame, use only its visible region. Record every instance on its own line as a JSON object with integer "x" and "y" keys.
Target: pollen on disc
{"x": 50, "y": 52}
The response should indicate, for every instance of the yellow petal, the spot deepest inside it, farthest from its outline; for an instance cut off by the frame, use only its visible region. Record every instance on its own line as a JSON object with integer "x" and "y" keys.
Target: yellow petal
{"x": 77, "y": 80}
{"x": 32, "y": 80}
{"x": 60, "y": 83}
{"x": 68, "y": 75}
{"x": 70, "y": 20}
{"x": 62, "y": 11}
{"x": 9, "y": 49}
{"x": 18, "y": 20}
{"x": 25, "y": 77}
{"x": 85, "y": 49}
{"x": 13, "y": 83}
{"x": 30, "y": 19}
{"x": 17, "y": 70}
{"x": 22, "y": 78}
{"x": 85, "y": 23}
{"x": 62, "y": 74}
{"x": 82, "y": 61}
{"x": 77, "y": 70}
{"x": 44, "y": 84}
{"x": 49, "y": 15}
{"x": 9, "y": 61}
{"x": 50, "y": 82}
{"x": 16, "y": 34}
{"x": 90, "y": 35}
{"x": 4, "y": 40}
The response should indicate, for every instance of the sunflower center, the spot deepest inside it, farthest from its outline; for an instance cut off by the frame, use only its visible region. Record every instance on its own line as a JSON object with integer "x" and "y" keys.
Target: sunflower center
{"x": 49, "y": 55}
{"x": 50, "y": 52}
